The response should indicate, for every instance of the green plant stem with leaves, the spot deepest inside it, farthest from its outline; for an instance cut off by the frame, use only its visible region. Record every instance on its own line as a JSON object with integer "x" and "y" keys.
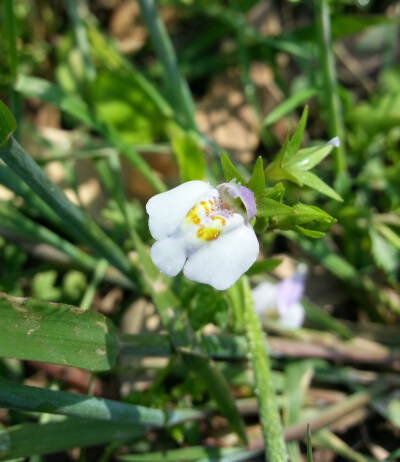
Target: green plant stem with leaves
{"x": 275, "y": 449}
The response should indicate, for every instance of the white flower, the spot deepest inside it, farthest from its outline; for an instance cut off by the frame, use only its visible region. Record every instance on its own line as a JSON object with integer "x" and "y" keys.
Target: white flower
{"x": 205, "y": 230}
{"x": 281, "y": 300}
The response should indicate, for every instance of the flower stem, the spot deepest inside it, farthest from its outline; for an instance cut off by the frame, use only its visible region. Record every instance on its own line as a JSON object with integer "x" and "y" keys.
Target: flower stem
{"x": 275, "y": 449}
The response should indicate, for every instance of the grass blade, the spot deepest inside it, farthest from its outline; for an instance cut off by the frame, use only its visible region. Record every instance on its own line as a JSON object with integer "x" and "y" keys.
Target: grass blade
{"x": 56, "y": 333}
{"x": 329, "y": 90}
{"x": 73, "y": 218}
{"x": 35, "y": 439}
{"x": 180, "y": 95}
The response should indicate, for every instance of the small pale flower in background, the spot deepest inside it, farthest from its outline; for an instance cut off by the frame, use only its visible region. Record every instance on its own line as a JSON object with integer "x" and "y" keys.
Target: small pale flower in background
{"x": 205, "y": 231}
{"x": 282, "y": 300}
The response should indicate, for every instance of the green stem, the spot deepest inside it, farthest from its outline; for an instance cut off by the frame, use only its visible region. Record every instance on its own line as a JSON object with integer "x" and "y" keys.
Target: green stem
{"x": 180, "y": 95}
{"x": 98, "y": 276}
{"x": 10, "y": 29}
{"x": 330, "y": 85}
{"x": 275, "y": 450}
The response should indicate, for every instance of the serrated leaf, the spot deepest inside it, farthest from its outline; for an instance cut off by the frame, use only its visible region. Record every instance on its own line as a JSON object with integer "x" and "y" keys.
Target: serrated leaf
{"x": 267, "y": 207}
{"x": 257, "y": 180}
{"x": 7, "y": 124}
{"x": 311, "y": 180}
{"x": 229, "y": 170}
{"x": 56, "y": 333}
{"x": 307, "y": 158}
{"x": 295, "y": 141}
{"x": 264, "y": 266}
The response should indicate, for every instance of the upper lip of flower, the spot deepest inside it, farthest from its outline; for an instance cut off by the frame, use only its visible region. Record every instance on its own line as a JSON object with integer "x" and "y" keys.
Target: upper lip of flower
{"x": 193, "y": 222}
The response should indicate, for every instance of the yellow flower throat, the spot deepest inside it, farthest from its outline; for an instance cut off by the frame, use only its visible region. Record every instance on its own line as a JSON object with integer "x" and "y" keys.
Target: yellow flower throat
{"x": 204, "y": 217}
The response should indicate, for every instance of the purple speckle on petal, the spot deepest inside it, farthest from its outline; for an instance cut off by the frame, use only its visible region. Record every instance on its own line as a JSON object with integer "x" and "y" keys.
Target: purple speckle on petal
{"x": 249, "y": 202}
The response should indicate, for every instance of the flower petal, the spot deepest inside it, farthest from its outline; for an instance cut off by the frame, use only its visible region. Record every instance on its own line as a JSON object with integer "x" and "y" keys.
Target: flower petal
{"x": 168, "y": 255}
{"x": 264, "y": 298}
{"x": 293, "y": 317}
{"x": 290, "y": 290}
{"x": 221, "y": 262}
{"x": 168, "y": 209}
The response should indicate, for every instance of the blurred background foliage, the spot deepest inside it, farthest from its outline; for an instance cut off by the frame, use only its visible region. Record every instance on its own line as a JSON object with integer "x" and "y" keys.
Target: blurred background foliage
{"x": 115, "y": 108}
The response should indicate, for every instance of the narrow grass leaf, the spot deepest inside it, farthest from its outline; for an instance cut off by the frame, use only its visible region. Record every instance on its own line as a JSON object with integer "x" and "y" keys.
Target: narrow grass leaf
{"x": 7, "y": 124}
{"x": 328, "y": 440}
{"x": 31, "y": 439}
{"x": 56, "y": 333}
{"x": 289, "y": 105}
{"x": 76, "y": 107}
{"x": 20, "y": 225}
{"x": 34, "y": 399}
{"x": 73, "y": 218}
{"x": 297, "y": 379}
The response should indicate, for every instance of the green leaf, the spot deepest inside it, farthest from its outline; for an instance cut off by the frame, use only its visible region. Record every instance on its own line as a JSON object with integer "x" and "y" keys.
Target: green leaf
{"x": 56, "y": 333}
{"x": 311, "y": 180}
{"x": 276, "y": 193}
{"x": 295, "y": 141}
{"x": 384, "y": 253}
{"x": 189, "y": 156}
{"x": 45, "y": 438}
{"x": 73, "y": 218}
{"x": 257, "y": 180}
{"x": 309, "y": 232}
{"x": 311, "y": 216}
{"x": 230, "y": 171}
{"x": 288, "y": 105}
{"x": 44, "y": 286}
{"x": 76, "y": 107}
{"x": 51, "y": 93}
{"x": 34, "y": 399}
{"x": 264, "y": 266}
{"x": 7, "y": 124}
{"x": 267, "y": 207}
{"x": 194, "y": 453}
{"x": 307, "y": 158}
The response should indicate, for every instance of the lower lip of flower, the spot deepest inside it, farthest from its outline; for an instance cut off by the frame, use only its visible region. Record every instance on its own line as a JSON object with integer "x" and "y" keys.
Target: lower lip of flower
{"x": 206, "y": 217}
